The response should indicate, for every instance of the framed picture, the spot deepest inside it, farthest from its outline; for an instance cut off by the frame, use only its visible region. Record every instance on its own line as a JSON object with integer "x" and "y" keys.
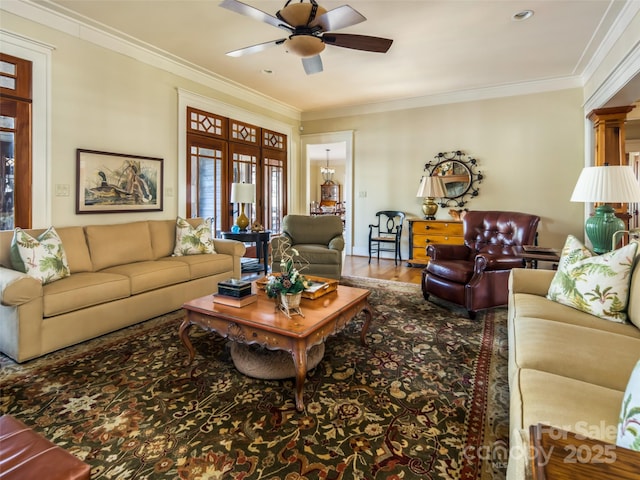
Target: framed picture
{"x": 115, "y": 182}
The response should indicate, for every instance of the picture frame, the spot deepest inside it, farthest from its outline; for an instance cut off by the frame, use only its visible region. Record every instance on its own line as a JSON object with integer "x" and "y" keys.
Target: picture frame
{"x": 109, "y": 182}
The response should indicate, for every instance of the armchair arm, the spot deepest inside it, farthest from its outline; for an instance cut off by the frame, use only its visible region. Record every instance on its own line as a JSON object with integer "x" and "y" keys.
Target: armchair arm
{"x": 337, "y": 243}
{"x": 486, "y": 262}
{"x": 441, "y": 251}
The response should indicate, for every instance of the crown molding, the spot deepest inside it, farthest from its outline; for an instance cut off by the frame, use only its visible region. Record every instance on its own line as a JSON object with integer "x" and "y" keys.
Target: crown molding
{"x": 114, "y": 40}
{"x": 488, "y": 93}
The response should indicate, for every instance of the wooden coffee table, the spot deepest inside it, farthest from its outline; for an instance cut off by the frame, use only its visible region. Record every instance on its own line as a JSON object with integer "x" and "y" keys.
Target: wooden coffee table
{"x": 260, "y": 323}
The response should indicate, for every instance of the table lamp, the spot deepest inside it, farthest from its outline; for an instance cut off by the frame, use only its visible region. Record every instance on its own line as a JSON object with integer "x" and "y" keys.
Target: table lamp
{"x": 430, "y": 187}
{"x": 243, "y": 193}
{"x": 607, "y": 184}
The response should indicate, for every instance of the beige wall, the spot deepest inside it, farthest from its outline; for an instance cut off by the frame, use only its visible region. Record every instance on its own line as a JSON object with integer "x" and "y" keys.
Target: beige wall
{"x": 530, "y": 150}
{"x": 107, "y": 101}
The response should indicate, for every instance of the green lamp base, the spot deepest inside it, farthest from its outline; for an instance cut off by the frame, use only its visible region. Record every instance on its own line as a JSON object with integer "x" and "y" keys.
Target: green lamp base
{"x": 601, "y": 227}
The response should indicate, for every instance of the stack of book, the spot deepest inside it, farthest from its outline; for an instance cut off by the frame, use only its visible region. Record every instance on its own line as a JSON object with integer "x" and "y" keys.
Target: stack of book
{"x": 234, "y": 293}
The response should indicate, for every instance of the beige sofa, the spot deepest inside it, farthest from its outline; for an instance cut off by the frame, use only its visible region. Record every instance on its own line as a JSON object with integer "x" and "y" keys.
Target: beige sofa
{"x": 567, "y": 368}
{"x": 121, "y": 274}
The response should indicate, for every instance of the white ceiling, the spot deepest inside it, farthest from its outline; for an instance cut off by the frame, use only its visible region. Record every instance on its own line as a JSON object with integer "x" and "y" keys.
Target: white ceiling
{"x": 440, "y": 46}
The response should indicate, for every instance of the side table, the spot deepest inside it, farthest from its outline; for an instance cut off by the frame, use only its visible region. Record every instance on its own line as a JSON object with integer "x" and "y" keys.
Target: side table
{"x": 559, "y": 454}
{"x": 533, "y": 255}
{"x": 261, "y": 239}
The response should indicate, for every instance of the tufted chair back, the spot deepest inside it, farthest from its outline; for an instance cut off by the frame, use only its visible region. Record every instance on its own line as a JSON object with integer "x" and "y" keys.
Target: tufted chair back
{"x": 476, "y": 274}
{"x": 497, "y": 232}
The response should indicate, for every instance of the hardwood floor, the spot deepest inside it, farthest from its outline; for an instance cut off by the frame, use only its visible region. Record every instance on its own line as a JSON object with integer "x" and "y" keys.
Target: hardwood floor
{"x": 385, "y": 269}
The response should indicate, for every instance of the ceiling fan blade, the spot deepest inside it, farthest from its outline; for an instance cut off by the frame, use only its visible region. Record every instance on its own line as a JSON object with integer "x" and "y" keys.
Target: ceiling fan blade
{"x": 358, "y": 42}
{"x": 312, "y": 64}
{"x": 255, "y": 48}
{"x": 249, "y": 11}
{"x": 338, "y": 18}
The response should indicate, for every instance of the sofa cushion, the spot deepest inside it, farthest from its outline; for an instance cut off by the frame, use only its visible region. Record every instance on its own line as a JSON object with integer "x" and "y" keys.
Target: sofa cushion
{"x": 204, "y": 265}
{"x": 119, "y": 244}
{"x": 570, "y": 404}
{"x": 596, "y": 284}
{"x": 585, "y": 354}
{"x": 459, "y": 271}
{"x": 145, "y": 276}
{"x": 163, "y": 237}
{"x": 75, "y": 246}
{"x": 42, "y": 257}
{"x": 82, "y": 290}
{"x": 193, "y": 240}
{"x": 318, "y": 254}
{"x": 305, "y": 229}
{"x": 629, "y": 422}
{"x": 529, "y": 305}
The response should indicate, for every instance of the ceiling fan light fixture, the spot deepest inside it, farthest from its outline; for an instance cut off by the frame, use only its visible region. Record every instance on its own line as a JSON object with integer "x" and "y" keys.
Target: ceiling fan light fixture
{"x": 304, "y": 45}
{"x": 297, "y": 14}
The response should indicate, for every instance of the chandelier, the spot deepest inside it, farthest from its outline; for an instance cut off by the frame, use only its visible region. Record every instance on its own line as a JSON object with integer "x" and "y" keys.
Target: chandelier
{"x": 327, "y": 173}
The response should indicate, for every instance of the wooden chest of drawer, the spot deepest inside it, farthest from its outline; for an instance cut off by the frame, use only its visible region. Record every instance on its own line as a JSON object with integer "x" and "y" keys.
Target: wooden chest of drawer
{"x": 425, "y": 232}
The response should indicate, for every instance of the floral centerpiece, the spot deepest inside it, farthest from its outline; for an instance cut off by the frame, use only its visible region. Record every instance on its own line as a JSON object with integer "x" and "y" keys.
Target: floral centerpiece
{"x": 287, "y": 286}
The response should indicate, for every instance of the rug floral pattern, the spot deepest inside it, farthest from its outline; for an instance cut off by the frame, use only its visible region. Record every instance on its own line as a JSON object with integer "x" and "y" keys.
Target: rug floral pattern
{"x": 427, "y": 398}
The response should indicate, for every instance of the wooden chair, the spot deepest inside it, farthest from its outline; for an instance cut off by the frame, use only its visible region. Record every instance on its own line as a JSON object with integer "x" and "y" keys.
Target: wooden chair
{"x": 386, "y": 234}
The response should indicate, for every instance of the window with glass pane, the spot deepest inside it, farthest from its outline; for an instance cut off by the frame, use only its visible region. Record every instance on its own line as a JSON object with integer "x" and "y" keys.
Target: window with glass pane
{"x": 225, "y": 151}
{"x": 7, "y": 143}
{"x": 244, "y": 165}
{"x": 15, "y": 142}
{"x": 274, "y": 189}
{"x": 206, "y": 191}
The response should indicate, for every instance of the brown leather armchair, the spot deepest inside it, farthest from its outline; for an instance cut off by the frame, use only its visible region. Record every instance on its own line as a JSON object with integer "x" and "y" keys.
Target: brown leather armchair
{"x": 476, "y": 274}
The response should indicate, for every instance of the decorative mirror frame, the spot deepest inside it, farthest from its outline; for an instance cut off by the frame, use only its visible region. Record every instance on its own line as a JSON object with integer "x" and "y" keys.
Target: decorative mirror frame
{"x": 443, "y": 163}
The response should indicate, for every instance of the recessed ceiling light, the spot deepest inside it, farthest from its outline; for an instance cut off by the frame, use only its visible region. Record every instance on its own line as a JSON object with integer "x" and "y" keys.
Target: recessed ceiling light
{"x": 523, "y": 15}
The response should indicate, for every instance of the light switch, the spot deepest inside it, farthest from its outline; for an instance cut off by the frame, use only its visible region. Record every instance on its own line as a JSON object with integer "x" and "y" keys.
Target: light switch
{"x": 62, "y": 190}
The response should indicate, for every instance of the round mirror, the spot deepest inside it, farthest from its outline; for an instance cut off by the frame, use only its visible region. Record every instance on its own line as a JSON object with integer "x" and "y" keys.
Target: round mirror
{"x": 459, "y": 175}
{"x": 455, "y": 176}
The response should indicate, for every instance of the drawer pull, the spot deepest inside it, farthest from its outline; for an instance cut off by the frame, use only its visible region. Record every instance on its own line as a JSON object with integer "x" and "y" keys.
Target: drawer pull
{"x": 427, "y": 227}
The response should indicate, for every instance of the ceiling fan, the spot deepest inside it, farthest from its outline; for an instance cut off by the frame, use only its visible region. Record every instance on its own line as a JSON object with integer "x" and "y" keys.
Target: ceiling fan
{"x": 309, "y": 26}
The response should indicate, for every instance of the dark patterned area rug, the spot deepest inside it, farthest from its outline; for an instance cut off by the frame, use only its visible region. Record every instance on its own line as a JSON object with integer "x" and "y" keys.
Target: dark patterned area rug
{"x": 427, "y": 398}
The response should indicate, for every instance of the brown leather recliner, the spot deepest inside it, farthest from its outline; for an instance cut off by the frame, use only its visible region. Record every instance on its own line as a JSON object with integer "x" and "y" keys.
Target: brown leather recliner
{"x": 476, "y": 274}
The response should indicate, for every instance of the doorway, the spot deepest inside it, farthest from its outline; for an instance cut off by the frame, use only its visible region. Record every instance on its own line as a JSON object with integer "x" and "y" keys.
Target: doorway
{"x": 340, "y": 157}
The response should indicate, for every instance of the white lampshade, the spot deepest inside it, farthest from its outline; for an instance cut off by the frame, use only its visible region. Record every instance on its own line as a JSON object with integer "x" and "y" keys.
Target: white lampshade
{"x": 243, "y": 193}
{"x": 431, "y": 187}
{"x": 607, "y": 184}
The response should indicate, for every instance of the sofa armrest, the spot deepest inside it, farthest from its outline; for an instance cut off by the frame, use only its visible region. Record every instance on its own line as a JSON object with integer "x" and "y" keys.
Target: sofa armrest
{"x": 17, "y": 288}
{"x": 229, "y": 247}
{"x": 535, "y": 282}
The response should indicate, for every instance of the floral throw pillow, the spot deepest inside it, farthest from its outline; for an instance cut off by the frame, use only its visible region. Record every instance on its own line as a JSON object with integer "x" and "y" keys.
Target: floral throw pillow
{"x": 629, "y": 423}
{"x": 43, "y": 257}
{"x": 193, "y": 240}
{"x": 596, "y": 284}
